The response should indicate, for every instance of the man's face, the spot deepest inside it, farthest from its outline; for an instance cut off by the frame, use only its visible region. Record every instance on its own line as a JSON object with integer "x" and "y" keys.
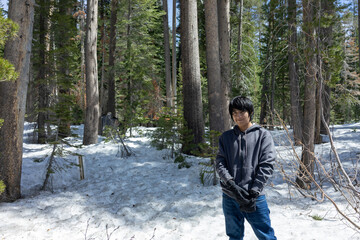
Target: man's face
{"x": 241, "y": 118}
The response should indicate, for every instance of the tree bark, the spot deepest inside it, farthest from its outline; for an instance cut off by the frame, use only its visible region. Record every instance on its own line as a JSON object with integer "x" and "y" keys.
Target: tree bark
{"x": 42, "y": 77}
{"x": 173, "y": 80}
{"x": 213, "y": 66}
{"x": 264, "y": 95}
{"x": 296, "y": 116}
{"x": 92, "y": 92}
{"x": 129, "y": 97}
{"x": 273, "y": 76}
{"x": 273, "y": 37}
{"x": 266, "y": 81}
{"x": 82, "y": 52}
{"x": 327, "y": 36}
{"x": 168, "y": 82}
{"x": 319, "y": 82}
{"x": 239, "y": 47}
{"x": 224, "y": 42}
{"x": 112, "y": 50}
{"x": 193, "y": 108}
{"x": 103, "y": 95}
{"x": 13, "y": 98}
{"x": 326, "y": 104}
{"x": 307, "y": 158}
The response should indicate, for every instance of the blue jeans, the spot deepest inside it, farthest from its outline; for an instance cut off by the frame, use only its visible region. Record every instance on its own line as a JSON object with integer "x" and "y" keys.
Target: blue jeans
{"x": 259, "y": 220}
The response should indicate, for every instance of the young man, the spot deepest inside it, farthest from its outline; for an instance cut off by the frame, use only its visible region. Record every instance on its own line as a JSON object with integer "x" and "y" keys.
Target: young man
{"x": 245, "y": 163}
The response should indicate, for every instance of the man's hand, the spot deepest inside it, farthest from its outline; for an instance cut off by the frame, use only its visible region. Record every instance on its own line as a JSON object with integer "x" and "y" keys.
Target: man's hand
{"x": 251, "y": 206}
{"x": 253, "y": 193}
{"x": 241, "y": 195}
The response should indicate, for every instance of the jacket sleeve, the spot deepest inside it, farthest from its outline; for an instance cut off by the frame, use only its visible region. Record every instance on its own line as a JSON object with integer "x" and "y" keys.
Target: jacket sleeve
{"x": 221, "y": 163}
{"x": 266, "y": 163}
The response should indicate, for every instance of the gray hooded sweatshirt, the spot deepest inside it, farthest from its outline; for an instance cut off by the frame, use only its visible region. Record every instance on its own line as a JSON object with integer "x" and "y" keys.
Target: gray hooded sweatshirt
{"x": 246, "y": 157}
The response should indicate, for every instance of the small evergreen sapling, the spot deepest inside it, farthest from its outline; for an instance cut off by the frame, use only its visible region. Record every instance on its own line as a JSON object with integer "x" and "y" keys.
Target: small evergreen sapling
{"x": 167, "y": 133}
{"x": 209, "y": 149}
{"x": 2, "y": 187}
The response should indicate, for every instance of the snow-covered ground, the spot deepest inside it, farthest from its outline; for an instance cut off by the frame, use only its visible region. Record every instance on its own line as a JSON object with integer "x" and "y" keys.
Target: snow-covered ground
{"x": 147, "y": 197}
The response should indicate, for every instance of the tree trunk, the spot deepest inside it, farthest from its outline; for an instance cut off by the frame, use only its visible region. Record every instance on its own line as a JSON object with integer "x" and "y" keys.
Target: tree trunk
{"x": 31, "y": 112}
{"x": 272, "y": 59}
{"x": 111, "y": 80}
{"x": 92, "y": 92}
{"x": 272, "y": 85}
{"x": 264, "y": 95}
{"x": 327, "y": 36}
{"x": 318, "y": 96}
{"x": 307, "y": 158}
{"x": 64, "y": 79}
{"x": 13, "y": 98}
{"x": 266, "y": 81}
{"x": 129, "y": 96}
{"x": 42, "y": 77}
{"x": 213, "y": 66}
{"x": 193, "y": 109}
{"x": 224, "y": 43}
{"x": 51, "y": 69}
{"x": 103, "y": 90}
{"x": 169, "y": 97}
{"x": 319, "y": 82}
{"x": 326, "y": 105}
{"x": 239, "y": 46}
{"x": 296, "y": 116}
{"x": 173, "y": 80}
{"x": 82, "y": 51}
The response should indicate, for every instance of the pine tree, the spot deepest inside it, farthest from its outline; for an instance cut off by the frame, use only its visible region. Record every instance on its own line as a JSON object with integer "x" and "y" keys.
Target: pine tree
{"x": 66, "y": 62}
{"x": 168, "y": 82}
{"x": 307, "y": 158}
{"x": 40, "y": 65}
{"x": 275, "y": 67}
{"x": 140, "y": 62}
{"x": 296, "y": 112}
{"x": 245, "y": 48}
{"x": 193, "y": 109}
{"x": 216, "y": 119}
{"x": 7, "y": 71}
{"x": 345, "y": 86}
{"x": 12, "y": 99}
{"x": 92, "y": 114}
{"x": 225, "y": 64}
{"x": 111, "y": 103}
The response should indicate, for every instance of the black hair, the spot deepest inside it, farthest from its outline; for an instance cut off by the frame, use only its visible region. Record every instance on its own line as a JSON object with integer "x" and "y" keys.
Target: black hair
{"x": 242, "y": 104}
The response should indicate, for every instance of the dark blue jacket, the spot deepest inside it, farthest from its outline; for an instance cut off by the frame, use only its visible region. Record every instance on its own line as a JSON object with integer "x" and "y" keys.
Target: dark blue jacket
{"x": 247, "y": 157}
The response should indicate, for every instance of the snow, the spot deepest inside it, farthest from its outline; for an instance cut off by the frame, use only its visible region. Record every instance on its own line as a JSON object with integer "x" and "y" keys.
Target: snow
{"x": 146, "y": 196}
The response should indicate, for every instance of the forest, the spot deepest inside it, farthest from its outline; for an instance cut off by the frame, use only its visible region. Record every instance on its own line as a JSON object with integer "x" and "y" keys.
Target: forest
{"x": 143, "y": 63}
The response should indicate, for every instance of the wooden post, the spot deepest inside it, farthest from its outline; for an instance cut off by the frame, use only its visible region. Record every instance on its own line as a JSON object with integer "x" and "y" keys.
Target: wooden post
{"x": 81, "y": 166}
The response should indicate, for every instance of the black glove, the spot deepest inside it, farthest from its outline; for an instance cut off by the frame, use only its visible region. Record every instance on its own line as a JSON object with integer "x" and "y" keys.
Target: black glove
{"x": 241, "y": 195}
{"x": 251, "y": 207}
{"x": 253, "y": 193}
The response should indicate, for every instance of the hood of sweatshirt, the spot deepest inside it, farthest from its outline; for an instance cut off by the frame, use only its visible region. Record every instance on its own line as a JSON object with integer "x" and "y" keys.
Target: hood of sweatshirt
{"x": 254, "y": 127}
